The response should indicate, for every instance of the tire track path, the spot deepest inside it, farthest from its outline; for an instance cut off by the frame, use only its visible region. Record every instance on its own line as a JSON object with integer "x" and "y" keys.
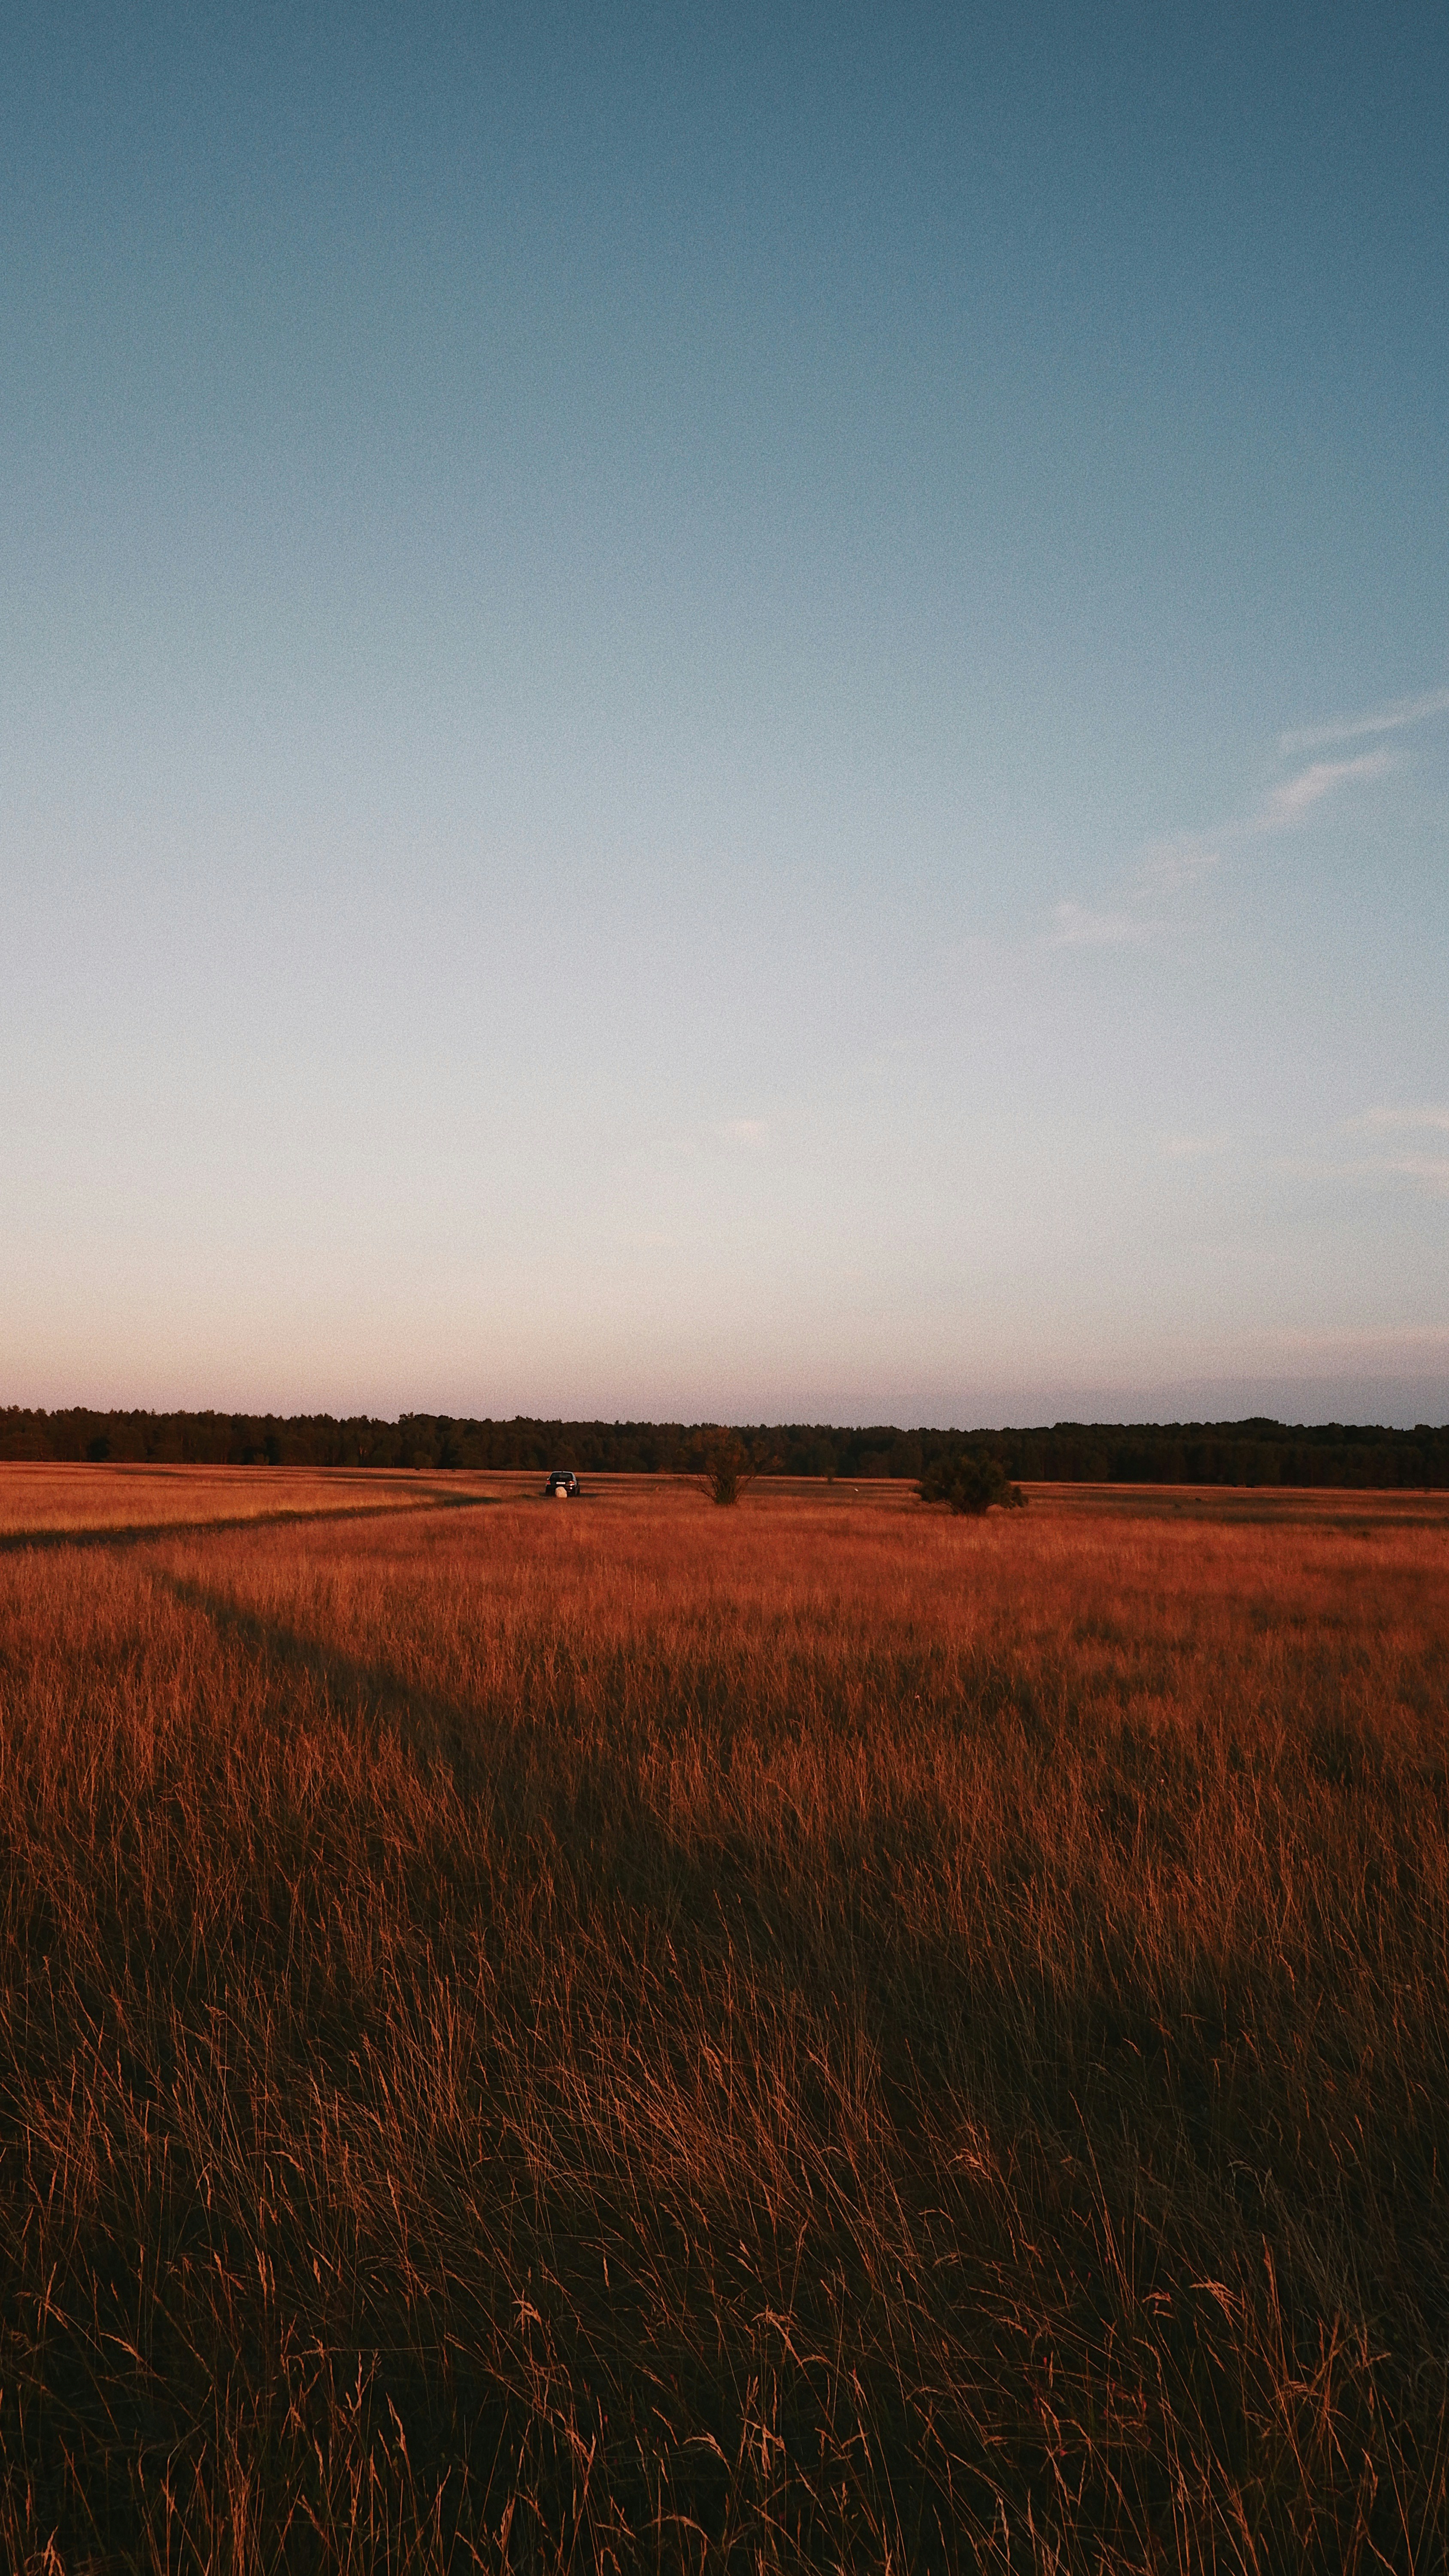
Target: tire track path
{"x": 134, "y": 1533}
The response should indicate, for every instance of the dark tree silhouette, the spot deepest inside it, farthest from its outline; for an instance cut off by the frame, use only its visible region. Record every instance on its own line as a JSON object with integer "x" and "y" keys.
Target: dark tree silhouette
{"x": 728, "y": 1465}
{"x": 971, "y": 1480}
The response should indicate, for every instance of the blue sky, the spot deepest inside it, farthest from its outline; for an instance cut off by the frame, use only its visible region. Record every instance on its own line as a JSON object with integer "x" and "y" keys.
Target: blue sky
{"x": 720, "y": 712}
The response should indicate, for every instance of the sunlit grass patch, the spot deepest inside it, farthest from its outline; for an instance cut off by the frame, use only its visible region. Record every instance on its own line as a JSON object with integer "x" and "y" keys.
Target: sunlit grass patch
{"x": 815, "y": 2034}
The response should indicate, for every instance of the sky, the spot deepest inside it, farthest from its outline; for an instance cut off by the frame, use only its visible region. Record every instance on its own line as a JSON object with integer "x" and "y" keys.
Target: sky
{"x": 725, "y": 713}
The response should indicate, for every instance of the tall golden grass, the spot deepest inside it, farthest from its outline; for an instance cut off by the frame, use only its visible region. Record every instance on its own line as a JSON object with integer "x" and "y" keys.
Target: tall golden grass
{"x": 39, "y": 1501}
{"x": 817, "y": 2035}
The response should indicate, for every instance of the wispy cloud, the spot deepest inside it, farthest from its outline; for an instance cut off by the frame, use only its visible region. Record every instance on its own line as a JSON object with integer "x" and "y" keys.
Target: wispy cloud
{"x": 1177, "y": 862}
{"x": 1389, "y": 1121}
{"x": 1406, "y": 711}
{"x": 1281, "y": 810}
{"x": 1073, "y": 926}
{"x": 1179, "y": 859}
{"x": 1428, "y": 1170}
{"x": 1289, "y": 803}
{"x": 716, "y": 1137}
{"x": 1429, "y": 1120}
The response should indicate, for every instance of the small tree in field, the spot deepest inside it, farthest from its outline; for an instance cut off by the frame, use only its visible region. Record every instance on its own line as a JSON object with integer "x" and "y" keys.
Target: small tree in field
{"x": 728, "y": 1465}
{"x": 971, "y": 1481}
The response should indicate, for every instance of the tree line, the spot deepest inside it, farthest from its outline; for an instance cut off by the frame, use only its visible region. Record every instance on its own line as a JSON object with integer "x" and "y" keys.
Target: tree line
{"x": 1255, "y": 1452}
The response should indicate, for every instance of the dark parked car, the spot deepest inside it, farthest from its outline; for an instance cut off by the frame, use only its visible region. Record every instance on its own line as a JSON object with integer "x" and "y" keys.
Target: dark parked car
{"x": 563, "y": 1485}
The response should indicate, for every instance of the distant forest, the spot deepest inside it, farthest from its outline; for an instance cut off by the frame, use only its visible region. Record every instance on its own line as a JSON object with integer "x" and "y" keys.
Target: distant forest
{"x": 1257, "y": 1452}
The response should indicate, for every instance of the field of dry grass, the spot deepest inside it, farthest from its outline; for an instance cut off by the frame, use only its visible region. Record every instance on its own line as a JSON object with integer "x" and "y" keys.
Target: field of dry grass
{"x": 556, "y": 2036}
{"x": 40, "y": 1502}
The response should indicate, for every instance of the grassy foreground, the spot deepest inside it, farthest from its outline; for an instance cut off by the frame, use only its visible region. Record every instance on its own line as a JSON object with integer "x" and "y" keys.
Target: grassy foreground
{"x": 625, "y": 2034}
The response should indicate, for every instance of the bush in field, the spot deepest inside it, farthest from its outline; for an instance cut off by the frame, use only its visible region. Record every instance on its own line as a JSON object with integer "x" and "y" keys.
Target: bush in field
{"x": 971, "y": 1481}
{"x": 728, "y": 1466}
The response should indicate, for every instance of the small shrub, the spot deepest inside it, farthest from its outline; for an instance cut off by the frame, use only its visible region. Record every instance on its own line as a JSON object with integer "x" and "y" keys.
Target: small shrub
{"x": 971, "y": 1481}
{"x": 728, "y": 1466}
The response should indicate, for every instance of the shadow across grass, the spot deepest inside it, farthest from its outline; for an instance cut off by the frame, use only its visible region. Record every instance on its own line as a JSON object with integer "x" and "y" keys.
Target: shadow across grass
{"x": 434, "y": 2139}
